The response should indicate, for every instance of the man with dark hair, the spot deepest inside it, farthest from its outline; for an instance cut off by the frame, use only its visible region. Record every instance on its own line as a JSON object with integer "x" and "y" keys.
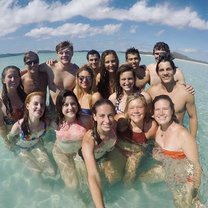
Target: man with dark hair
{"x": 93, "y": 58}
{"x": 33, "y": 79}
{"x": 182, "y": 99}
{"x": 133, "y": 57}
{"x": 158, "y": 49}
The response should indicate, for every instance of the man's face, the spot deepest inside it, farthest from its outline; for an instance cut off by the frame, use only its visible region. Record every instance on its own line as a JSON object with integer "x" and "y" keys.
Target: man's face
{"x": 134, "y": 60}
{"x": 32, "y": 64}
{"x": 65, "y": 55}
{"x": 165, "y": 72}
{"x": 93, "y": 60}
{"x": 157, "y": 53}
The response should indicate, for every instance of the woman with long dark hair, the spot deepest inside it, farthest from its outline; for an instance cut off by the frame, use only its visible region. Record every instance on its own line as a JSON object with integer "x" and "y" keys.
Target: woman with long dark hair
{"x": 11, "y": 100}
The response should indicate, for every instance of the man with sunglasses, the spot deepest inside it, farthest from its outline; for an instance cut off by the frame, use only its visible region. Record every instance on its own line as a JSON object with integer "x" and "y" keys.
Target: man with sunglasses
{"x": 33, "y": 79}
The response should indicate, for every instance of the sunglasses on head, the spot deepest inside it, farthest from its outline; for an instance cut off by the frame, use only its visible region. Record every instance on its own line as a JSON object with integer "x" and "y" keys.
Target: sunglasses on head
{"x": 87, "y": 78}
{"x": 29, "y": 63}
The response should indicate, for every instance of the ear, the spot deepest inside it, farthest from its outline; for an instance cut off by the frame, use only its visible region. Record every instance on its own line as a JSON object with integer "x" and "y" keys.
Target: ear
{"x": 27, "y": 106}
{"x": 94, "y": 117}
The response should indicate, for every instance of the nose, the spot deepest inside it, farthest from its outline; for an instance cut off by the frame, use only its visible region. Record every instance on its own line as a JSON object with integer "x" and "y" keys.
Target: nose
{"x": 106, "y": 119}
{"x": 12, "y": 78}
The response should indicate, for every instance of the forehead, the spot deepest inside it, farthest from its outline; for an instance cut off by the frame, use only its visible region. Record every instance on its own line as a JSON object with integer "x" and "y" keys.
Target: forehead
{"x": 110, "y": 57}
{"x": 104, "y": 109}
{"x": 160, "y": 51}
{"x": 132, "y": 55}
{"x": 69, "y": 99}
{"x": 126, "y": 74}
{"x": 93, "y": 56}
{"x": 11, "y": 71}
{"x": 136, "y": 102}
{"x": 162, "y": 102}
{"x": 84, "y": 72}
{"x": 164, "y": 64}
{"x": 31, "y": 57}
{"x": 36, "y": 98}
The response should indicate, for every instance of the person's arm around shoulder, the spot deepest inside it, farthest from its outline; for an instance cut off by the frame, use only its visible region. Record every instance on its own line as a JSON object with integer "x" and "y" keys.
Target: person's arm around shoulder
{"x": 92, "y": 171}
{"x": 190, "y": 149}
{"x": 191, "y": 110}
{"x": 3, "y": 128}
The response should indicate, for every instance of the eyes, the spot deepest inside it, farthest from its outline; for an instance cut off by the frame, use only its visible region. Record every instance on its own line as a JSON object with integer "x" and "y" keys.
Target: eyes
{"x": 68, "y": 52}
{"x": 72, "y": 104}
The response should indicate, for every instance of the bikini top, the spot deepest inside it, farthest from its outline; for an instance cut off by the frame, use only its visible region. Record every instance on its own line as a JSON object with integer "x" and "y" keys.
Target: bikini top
{"x": 71, "y": 131}
{"x": 85, "y": 111}
{"x": 102, "y": 146}
{"x": 174, "y": 154}
{"x": 133, "y": 137}
{"x": 11, "y": 118}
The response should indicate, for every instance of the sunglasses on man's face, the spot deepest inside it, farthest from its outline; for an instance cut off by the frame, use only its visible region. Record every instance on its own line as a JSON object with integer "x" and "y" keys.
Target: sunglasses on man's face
{"x": 29, "y": 63}
{"x": 87, "y": 78}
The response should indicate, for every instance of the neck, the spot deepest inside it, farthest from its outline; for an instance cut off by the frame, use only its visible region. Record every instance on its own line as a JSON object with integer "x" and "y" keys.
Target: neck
{"x": 139, "y": 125}
{"x": 165, "y": 127}
{"x": 169, "y": 86}
{"x": 70, "y": 120}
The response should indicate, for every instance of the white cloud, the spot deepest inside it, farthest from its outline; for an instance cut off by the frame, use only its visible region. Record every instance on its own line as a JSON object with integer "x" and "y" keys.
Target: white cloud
{"x": 188, "y": 50}
{"x": 14, "y": 16}
{"x": 133, "y": 28}
{"x": 77, "y": 30}
{"x": 159, "y": 33}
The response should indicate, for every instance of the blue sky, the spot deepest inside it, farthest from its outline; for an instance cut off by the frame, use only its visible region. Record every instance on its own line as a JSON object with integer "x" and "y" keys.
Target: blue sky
{"x": 105, "y": 24}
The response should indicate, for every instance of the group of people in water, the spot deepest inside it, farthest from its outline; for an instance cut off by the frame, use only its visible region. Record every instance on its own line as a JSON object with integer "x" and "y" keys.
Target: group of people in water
{"x": 103, "y": 115}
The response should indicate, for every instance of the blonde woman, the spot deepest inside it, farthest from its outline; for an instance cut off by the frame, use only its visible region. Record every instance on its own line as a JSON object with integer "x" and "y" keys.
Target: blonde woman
{"x": 85, "y": 89}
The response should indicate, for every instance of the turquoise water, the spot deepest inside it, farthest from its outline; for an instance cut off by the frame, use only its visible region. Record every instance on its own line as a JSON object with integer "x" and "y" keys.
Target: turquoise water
{"x": 20, "y": 188}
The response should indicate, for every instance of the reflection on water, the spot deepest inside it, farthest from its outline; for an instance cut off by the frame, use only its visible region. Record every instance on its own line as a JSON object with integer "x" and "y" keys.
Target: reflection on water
{"x": 20, "y": 188}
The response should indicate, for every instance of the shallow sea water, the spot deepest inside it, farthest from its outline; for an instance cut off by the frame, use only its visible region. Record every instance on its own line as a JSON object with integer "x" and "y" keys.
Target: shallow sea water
{"x": 20, "y": 188}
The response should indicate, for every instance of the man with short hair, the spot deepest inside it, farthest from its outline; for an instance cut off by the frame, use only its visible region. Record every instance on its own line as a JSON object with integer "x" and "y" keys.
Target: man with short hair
{"x": 33, "y": 79}
{"x": 93, "y": 58}
{"x": 161, "y": 48}
{"x": 61, "y": 74}
{"x": 182, "y": 99}
{"x": 133, "y": 57}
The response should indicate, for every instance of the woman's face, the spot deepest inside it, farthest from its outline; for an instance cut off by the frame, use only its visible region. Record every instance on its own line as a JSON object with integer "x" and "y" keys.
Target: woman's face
{"x": 69, "y": 107}
{"x": 12, "y": 79}
{"x": 110, "y": 63}
{"x": 136, "y": 110}
{"x": 105, "y": 118}
{"x": 127, "y": 81}
{"x": 162, "y": 112}
{"x": 36, "y": 106}
{"x": 85, "y": 80}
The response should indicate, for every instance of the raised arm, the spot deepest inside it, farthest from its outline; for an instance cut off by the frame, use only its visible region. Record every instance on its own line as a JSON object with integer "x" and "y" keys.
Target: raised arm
{"x": 92, "y": 171}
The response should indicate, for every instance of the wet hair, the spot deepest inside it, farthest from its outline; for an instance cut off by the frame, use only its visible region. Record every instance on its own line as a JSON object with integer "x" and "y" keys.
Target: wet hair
{"x": 132, "y": 51}
{"x": 167, "y": 98}
{"x": 124, "y": 68}
{"x": 60, "y": 101}
{"x": 99, "y": 103}
{"x": 78, "y": 89}
{"x": 63, "y": 45}
{"x": 163, "y": 58}
{"x": 161, "y": 46}
{"x": 104, "y": 84}
{"x": 25, "y": 123}
{"x": 20, "y": 89}
{"x": 30, "y": 54}
{"x": 92, "y": 52}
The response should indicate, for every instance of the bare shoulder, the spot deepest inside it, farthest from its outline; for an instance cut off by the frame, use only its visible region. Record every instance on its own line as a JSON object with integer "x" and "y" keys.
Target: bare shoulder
{"x": 151, "y": 67}
{"x": 112, "y": 98}
{"x": 146, "y": 96}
